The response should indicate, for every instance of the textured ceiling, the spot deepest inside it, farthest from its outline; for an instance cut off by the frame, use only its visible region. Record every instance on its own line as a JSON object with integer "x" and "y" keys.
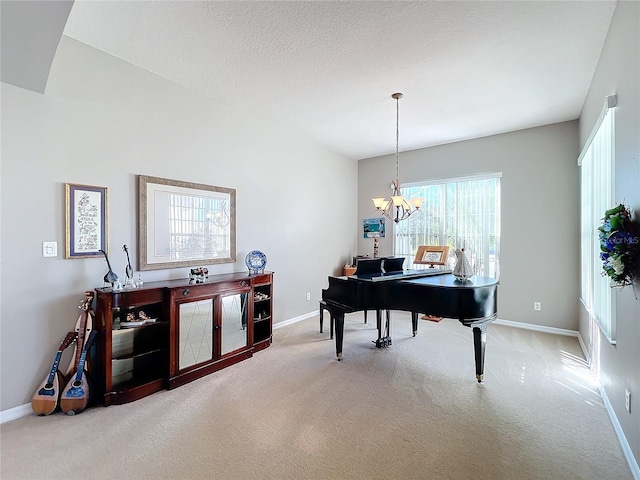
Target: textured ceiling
{"x": 328, "y": 69}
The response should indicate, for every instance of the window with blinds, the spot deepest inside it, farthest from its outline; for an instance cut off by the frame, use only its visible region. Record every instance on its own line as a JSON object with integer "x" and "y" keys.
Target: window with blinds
{"x": 596, "y": 196}
{"x": 459, "y": 213}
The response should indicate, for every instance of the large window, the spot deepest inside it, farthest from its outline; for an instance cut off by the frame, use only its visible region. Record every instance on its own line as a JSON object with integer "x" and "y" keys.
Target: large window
{"x": 597, "y": 195}
{"x": 460, "y": 213}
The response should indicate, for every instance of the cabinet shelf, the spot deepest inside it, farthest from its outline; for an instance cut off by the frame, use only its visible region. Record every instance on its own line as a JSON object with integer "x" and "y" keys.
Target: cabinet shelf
{"x": 139, "y": 380}
{"x": 144, "y": 325}
{"x": 135, "y": 355}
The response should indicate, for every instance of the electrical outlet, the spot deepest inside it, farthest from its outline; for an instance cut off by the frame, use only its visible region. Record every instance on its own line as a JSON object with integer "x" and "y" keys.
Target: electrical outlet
{"x": 627, "y": 400}
{"x": 308, "y": 296}
{"x": 536, "y": 306}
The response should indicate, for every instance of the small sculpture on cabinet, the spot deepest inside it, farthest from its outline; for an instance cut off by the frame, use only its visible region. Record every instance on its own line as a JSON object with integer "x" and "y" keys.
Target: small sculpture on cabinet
{"x": 110, "y": 277}
{"x": 198, "y": 275}
{"x": 128, "y": 271}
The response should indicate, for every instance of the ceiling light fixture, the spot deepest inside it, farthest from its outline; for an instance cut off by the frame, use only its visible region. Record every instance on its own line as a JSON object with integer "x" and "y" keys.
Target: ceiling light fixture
{"x": 397, "y": 208}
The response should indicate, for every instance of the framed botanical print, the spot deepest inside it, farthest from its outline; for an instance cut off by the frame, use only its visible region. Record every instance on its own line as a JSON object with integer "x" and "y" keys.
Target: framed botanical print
{"x": 86, "y": 221}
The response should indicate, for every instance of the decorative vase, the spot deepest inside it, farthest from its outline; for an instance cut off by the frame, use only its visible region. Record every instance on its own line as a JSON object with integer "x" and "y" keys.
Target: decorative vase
{"x": 348, "y": 270}
{"x": 462, "y": 271}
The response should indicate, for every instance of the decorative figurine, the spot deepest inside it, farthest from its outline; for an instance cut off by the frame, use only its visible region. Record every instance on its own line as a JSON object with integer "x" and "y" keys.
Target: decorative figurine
{"x": 128, "y": 271}
{"x": 110, "y": 277}
{"x": 462, "y": 271}
{"x": 198, "y": 275}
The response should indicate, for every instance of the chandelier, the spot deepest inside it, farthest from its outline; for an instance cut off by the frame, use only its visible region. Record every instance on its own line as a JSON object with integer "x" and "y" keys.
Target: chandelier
{"x": 397, "y": 207}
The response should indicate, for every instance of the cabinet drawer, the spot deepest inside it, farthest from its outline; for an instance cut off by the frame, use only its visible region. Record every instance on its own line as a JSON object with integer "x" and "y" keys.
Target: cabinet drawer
{"x": 137, "y": 297}
{"x": 203, "y": 289}
{"x": 261, "y": 279}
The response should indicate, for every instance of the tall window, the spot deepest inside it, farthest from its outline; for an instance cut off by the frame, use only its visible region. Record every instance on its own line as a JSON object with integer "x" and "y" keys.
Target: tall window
{"x": 597, "y": 195}
{"x": 460, "y": 213}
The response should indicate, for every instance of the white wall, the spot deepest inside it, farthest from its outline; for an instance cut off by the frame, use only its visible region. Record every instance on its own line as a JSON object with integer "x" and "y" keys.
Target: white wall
{"x": 618, "y": 73}
{"x": 102, "y": 122}
{"x": 539, "y": 252}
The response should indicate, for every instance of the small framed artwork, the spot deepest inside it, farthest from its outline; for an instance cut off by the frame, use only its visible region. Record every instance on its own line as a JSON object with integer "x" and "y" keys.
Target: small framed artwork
{"x": 431, "y": 255}
{"x": 86, "y": 220}
{"x": 373, "y": 227}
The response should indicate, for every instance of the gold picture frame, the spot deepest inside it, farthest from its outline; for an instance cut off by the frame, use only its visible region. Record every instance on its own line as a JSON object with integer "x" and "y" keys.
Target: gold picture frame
{"x": 431, "y": 255}
{"x": 86, "y": 221}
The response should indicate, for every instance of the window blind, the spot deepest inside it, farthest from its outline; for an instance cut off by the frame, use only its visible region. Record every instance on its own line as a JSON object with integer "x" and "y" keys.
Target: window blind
{"x": 597, "y": 195}
{"x": 459, "y": 213}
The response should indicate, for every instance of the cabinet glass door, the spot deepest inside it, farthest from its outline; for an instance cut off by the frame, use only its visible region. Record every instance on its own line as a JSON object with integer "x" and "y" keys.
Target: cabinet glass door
{"x": 196, "y": 333}
{"x": 234, "y": 322}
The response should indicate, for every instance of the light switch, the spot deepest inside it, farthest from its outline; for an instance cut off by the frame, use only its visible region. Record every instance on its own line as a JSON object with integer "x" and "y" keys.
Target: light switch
{"x": 49, "y": 249}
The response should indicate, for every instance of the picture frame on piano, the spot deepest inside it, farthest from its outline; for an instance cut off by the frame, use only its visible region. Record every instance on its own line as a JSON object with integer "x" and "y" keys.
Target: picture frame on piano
{"x": 431, "y": 255}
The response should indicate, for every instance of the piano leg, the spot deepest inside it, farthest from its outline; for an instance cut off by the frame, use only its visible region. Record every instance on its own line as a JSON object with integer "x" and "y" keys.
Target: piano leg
{"x": 414, "y": 323}
{"x": 479, "y": 343}
{"x": 338, "y": 317}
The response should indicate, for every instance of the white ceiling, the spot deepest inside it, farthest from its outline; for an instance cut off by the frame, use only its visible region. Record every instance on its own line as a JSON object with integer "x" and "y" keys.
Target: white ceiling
{"x": 328, "y": 69}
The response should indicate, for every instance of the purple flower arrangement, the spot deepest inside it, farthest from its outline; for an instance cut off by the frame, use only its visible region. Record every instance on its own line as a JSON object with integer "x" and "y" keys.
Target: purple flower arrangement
{"x": 619, "y": 246}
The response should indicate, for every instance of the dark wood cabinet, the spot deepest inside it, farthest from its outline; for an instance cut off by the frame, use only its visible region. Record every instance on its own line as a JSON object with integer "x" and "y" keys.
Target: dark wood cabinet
{"x": 165, "y": 334}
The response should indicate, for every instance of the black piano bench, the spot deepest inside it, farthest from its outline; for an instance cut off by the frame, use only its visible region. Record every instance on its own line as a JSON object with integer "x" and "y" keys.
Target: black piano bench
{"x": 323, "y": 306}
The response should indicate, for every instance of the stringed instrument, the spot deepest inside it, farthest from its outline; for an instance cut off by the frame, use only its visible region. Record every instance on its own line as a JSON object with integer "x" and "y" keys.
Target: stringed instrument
{"x": 47, "y": 397}
{"x": 75, "y": 396}
{"x": 83, "y": 328}
{"x": 109, "y": 277}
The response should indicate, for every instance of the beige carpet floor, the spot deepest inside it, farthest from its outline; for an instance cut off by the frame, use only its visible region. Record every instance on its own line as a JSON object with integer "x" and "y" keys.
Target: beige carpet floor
{"x": 410, "y": 411}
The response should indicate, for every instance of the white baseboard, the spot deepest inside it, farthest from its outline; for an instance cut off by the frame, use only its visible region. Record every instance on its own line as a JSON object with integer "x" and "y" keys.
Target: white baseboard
{"x": 585, "y": 350}
{"x": 537, "y": 328}
{"x": 626, "y": 448}
{"x": 15, "y": 412}
{"x": 293, "y": 320}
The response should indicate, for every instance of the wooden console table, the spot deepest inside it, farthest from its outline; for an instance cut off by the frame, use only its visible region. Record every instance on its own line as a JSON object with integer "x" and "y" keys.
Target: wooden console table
{"x": 165, "y": 334}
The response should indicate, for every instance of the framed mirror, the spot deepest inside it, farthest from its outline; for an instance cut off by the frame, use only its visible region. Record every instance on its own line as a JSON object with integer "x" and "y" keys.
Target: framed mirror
{"x": 184, "y": 224}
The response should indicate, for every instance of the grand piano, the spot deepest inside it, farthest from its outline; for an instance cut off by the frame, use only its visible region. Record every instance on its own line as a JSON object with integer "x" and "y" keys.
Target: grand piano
{"x": 382, "y": 285}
